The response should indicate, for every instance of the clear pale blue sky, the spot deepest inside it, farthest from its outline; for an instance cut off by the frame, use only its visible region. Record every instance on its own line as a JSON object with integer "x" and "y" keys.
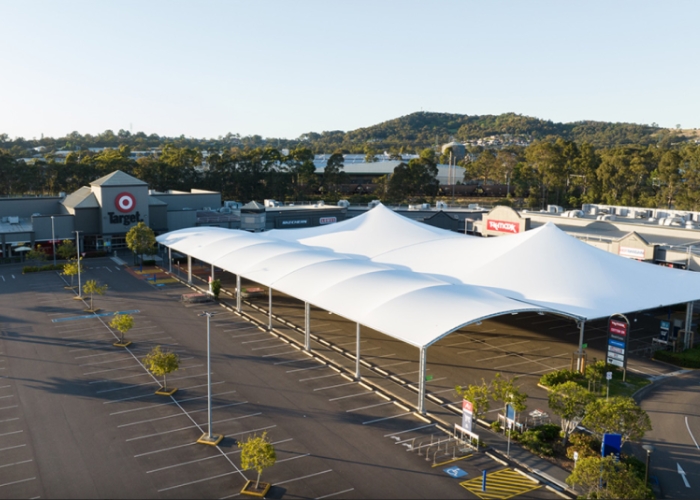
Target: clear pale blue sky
{"x": 282, "y": 68}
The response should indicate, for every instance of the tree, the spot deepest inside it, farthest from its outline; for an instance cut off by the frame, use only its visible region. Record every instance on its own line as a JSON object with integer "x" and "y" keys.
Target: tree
{"x": 122, "y": 323}
{"x": 605, "y": 477}
{"x": 619, "y": 415}
{"x": 257, "y": 453}
{"x": 36, "y": 254}
{"x": 505, "y": 390}
{"x": 161, "y": 363}
{"x": 66, "y": 249}
{"x": 333, "y": 173}
{"x": 569, "y": 401}
{"x": 141, "y": 240}
{"x": 216, "y": 288}
{"x": 72, "y": 268}
{"x": 478, "y": 396}
{"x": 91, "y": 287}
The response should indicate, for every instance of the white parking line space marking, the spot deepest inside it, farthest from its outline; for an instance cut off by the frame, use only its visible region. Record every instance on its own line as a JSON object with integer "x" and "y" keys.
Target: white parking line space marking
{"x": 369, "y": 406}
{"x": 281, "y": 353}
{"x": 351, "y": 396}
{"x": 151, "y": 394}
{"x": 190, "y": 427}
{"x": 303, "y": 477}
{"x": 395, "y": 364}
{"x": 198, "y": 481}
{"x": 410, "y": 430}
{"x": 336, "y": 493}
{"x": 259, "y": 340}
{"x": 150, "y": 407}
{"x": 290, "y": 361}
{"x": 11, "y": 433}
{"x": 309, "y": 368}
{"x": 20, "y": 481}
{"x": 369, "y": 422}
{"x": 321, "y": 376}
{"x": 16, "y": 463}
{"x": 165, "y": 449}
{"x": 180, "y": 414}
{"x": 333, "y": 386}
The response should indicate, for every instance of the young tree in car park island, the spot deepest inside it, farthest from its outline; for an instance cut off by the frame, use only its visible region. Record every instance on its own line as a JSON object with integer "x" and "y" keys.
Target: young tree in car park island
{"x": 569, "y": 400}
{"x": 141, "y": 240}
{"x": 478, "y": 396}
{"x": 619, "y": 415}
{"x": 505, "y": 390}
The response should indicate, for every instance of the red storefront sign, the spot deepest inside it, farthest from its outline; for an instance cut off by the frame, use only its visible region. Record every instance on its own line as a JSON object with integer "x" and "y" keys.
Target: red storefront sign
{"x": 618, "y": 327}
{"x": 502, "y": 226}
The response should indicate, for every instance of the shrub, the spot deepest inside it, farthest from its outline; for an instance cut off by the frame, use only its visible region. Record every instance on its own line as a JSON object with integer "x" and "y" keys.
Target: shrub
{"x": 558, "y": 377}
{"x": 689, "y": 358}
{"x": 47, "y": 267}
{"x": 496, "y": 426}
{"x": 636, "y": 466}
{"x": 541, "y": 439}
{"x": 585, "y": 444}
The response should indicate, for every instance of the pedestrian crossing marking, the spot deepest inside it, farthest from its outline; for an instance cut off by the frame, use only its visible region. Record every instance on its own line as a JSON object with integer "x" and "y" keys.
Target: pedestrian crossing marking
{"x": 502, "y": 484}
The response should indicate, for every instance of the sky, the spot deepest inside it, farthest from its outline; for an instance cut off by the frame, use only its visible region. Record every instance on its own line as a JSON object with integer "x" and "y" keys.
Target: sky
{"x": 284, "y": 68}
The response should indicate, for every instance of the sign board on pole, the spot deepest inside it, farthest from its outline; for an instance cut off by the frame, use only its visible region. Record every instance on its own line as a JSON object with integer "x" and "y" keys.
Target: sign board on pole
{"x": 618, "y": 330}
{"x": 510, "y": 414}
{"x": 467, "y": 415}
{"x": 663, "y": 330}
{"x": 611, "y": 445}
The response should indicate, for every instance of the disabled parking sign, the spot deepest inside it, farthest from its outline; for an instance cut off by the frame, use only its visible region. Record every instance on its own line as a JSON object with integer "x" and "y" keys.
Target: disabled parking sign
{"x": 455, "y": 472}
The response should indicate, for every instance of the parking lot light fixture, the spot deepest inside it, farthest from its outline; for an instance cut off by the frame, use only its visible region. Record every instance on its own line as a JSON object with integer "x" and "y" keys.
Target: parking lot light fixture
{"x": 649, "y": 449}
{"x": 209, "y": 438}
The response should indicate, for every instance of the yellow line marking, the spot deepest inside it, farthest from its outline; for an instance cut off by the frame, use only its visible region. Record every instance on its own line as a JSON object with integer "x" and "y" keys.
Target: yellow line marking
{"x": 454, "y": 460}
{"x": 500, "y": 485}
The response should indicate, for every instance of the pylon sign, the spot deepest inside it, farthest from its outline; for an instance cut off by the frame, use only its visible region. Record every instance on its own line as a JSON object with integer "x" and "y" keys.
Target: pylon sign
{"x": 618, "y": 334}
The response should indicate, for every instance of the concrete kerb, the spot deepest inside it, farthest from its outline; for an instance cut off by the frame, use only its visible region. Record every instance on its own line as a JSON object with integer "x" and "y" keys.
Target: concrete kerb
{"x": 428, "y": 417}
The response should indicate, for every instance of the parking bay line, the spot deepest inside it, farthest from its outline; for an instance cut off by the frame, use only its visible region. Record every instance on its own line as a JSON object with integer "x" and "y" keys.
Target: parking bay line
{"x": 368, "y": 422}
{"x": 322, "y": 376}
{"x": 281, "y": 353}
{"x": 147, "y": 383}
{"x": 151, "y": 394}
{"x": 105, "y": 381}
{"x": 180, "y": 414}
{"x": 333, "y": 386}
{"x": 17, "y": 482}
{"x": 277, "y": 483}
{"x": 168, "y": 467}
{"x": 409, "y": 430}
{"x": 17, "y": 463}
{"x": 190, "y": 427}
{"x": 199, "y": 481}
{"x": 369, "y": 406}
{"x": 336, "y": 493}
{"x": 149, "y": 407}
{"x": 365, "y": 393}
{"x": 309, "y": 368}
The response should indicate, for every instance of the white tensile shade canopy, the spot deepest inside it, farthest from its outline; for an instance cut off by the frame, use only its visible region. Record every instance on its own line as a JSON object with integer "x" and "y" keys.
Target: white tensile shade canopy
{"x": 418, "y": 283}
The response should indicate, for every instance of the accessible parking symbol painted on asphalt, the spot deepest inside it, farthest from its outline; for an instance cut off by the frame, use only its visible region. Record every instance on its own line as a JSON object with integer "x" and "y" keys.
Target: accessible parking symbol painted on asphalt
{"x": 455, "y": 472}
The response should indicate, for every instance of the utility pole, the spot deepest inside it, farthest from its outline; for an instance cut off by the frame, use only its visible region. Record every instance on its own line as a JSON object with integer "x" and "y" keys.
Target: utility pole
{"x": 209, "y": 438}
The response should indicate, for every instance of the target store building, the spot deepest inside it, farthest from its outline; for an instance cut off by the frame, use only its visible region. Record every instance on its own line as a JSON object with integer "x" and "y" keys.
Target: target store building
{"x": 102, "y": 213}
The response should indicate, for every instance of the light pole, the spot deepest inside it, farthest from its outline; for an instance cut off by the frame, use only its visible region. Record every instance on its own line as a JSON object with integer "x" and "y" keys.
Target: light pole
{"x": 77, "y": 247}
{"x": 209, "y": 438}
{"x": 649, "y": 449}
{"x": 53, "y": 241}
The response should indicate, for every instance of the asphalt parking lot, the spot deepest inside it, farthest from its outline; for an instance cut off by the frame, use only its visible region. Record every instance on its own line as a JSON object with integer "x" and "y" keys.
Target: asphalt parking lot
{"x": 79, "y": 417}
{"x": 524, "y": 345}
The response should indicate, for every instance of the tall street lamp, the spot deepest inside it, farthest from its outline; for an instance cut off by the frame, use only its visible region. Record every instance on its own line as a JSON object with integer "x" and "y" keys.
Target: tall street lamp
{"x": 53, "y": 241}
{"x": 209, "y": 438}
{"x": 649, "y": 449}
{"x": 77, "y": 247}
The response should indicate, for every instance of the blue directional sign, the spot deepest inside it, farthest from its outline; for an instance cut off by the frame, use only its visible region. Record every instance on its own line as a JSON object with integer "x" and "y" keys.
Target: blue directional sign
{"x": 611, "y": 445}
{"x": 455, "y": 472}
{"x": 616, "y": 343}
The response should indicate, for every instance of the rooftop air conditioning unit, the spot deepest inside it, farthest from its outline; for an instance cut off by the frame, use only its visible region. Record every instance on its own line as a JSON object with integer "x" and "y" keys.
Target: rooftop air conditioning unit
{"x": 440, "y": 205}
{"x": 343, "y": 203}
{"x": 12, "y": 219}
{"x": 425, "y": 206}
{"x": 373, "y": 203}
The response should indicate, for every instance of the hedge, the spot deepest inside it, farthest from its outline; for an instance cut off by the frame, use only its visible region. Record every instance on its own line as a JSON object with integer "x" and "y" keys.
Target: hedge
{"x": 686, "y": 359}
{"x": 36, "y": 269}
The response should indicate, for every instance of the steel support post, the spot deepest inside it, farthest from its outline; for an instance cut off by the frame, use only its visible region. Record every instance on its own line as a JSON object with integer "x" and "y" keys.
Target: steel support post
{"x": 307, "y": 326}
{"x": 688, "y": 324}
{"x": 269, "y": 308}
{"x": 189, "y": 269}
{"x": 579, "y": 362}
{"x": 170, "y": 260}
{"x": 238, "y": 292}
{"x": 421, "y": 381}
{"x": 357, "y": 352}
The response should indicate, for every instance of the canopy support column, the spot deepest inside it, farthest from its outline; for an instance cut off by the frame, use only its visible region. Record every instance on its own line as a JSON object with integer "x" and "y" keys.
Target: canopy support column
{"x": 238, "y": 292}
{"x": 421, "y": 382}
{"x": 357, "y": 352}
{"x": 307, "y": 326}
{"x": 579, "y": 354}
{"x": 269, "y": 308}
{"x": 688, "y": 325}
{"x": 170, "y": 260}
{"x": 189, "y": 269}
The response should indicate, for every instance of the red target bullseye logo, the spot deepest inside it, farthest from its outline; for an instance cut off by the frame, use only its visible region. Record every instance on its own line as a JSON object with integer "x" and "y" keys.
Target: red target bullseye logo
{"x": 125, "y": 202}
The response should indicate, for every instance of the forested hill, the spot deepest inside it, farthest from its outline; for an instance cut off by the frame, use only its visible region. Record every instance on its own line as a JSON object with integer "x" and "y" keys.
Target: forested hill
{"x": 409, "y": 134}
{"x": 423, "y": 129}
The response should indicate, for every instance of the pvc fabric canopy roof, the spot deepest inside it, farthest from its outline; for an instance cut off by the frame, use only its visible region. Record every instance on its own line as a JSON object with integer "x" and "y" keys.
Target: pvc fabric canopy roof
{"x": 418, "y": 283}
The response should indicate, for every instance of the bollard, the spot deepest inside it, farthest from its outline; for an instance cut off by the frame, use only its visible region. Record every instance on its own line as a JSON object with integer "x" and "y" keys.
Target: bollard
{"x": 483, "y": 480}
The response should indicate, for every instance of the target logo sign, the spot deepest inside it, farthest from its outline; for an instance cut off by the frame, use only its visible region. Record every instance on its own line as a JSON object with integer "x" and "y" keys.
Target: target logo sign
{"x": 125, "y": 202}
